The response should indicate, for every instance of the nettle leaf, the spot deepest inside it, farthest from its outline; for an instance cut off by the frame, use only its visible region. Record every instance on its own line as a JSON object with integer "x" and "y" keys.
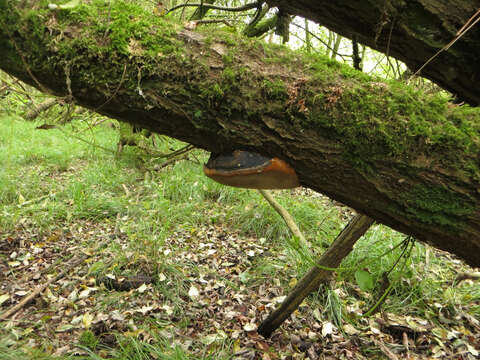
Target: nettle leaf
{"x": 364, "y": 280}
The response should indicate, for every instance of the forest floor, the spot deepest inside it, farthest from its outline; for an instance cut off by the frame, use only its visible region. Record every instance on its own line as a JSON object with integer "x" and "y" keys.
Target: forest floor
{"x": 170, "y": 265}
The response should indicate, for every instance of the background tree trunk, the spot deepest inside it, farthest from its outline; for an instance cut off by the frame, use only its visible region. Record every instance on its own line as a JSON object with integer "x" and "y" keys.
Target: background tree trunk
{"x": 412, "y": 31}
{"x": 403, "y": 158}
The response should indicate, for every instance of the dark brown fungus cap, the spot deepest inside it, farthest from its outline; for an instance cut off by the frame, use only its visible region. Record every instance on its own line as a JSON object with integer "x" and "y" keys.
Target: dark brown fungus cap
{"x": 250, "y": 170}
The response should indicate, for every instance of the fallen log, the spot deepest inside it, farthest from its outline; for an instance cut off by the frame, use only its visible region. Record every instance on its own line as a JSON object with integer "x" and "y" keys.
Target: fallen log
{"x": 404, "y": 158}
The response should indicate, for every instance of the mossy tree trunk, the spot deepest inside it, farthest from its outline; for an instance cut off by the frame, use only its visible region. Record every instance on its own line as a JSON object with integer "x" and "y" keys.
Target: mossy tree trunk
{"x": 404, "y": 158}
{"x": 412, "y": 31}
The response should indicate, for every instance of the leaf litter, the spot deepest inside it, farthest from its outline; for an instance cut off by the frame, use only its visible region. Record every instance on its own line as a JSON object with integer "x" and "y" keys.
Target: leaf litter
{"x": 224, "y": 299}
{"x": 206, "y": 291}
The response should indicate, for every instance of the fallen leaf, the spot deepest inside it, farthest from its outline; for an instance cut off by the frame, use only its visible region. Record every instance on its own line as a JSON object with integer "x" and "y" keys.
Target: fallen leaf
{"x": 115, "y": 315}
{"x": 87, "y": 320}
{"x": 327, "y": 329}
{"x": 317, "y": 315}
{"x": 168, "y": 309}
{"x": 350, "y": 330}
{"x": 4, "y": 298}
{"x": 249, "y": 327}
{"x": 209, "y": 339}
{"x": 76, "y": 320}
{"x": 364, "y": 280}
{"x": 193, "y": 293}
{"x": 471, "y": 350}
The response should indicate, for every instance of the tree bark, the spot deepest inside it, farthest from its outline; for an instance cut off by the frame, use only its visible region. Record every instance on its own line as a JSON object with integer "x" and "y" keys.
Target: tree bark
{"x": 412, "y": 31}
{"x": 405, "y": 159}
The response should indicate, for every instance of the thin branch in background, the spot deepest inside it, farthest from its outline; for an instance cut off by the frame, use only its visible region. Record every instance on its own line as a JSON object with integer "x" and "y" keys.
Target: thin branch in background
{"x": 180, "y": 151}
{"x": 308, "y": 42}
{"x": 465, "y": 276}
{"x": 323, "y": 42}
{"x": 108, "y": 19}
{"x": 91, "y": 126}
{"x": 379, "y": 61}
{"x": 387, "y": 53}
{"x": 182, "y": 16}
{"x": 7, "y": 85}
{"x": 215, "y": 21}
{"x": 355, "y": 54}
{"x": 85, "y": 141}
{"x": 399, "y": 68}
{"x": 37, "y": 109}
{"x": 409, "y": 244}
{"x": 301, "y": 39}
{"x": 216, "y": 7}
{"x": 170, "y": 161}
{"x": 18, "y": 83}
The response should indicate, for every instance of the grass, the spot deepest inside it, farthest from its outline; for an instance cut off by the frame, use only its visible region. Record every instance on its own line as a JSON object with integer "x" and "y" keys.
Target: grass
{"x": 51, "y": 180}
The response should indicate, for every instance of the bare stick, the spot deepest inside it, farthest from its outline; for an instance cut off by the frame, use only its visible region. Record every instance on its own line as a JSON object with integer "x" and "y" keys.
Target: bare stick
{"x": 285, "y": 215}
{"x": 340, "y": 248}
{"x": 466, "y": 276}
{"x": 40, "y": 288}
{"x": 37, "y": 109}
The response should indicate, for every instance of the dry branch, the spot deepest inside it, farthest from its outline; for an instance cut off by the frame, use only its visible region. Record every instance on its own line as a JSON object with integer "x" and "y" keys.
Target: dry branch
{"x": 39, "y": 289}
{"x": 339, "y": 249}
{"x": 38, "y": 109}
{"x": 285, "y": 216}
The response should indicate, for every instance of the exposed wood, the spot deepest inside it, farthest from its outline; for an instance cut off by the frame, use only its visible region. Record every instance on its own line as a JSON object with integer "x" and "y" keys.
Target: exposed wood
{"x": 332, "y": 258}
{"x": 403, "y": 158}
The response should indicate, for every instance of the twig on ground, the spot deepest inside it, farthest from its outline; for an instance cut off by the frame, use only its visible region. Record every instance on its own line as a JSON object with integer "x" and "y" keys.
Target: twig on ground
{"x": 465, "y": 276}
{"x": 386, "y": 351}
{"x": 41, "y": 288}
{"x": 28, "y": 202}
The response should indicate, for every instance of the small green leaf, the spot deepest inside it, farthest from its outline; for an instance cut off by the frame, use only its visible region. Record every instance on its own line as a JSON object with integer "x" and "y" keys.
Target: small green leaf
{"x": 96, "y": 267}
{"x": 364, "y": 280}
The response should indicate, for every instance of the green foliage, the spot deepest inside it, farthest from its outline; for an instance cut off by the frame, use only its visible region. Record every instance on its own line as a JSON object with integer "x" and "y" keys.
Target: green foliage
{"x": 364, "y": 280}
{"x": 88, "y": 340}
{"x": 128, "y": 23}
